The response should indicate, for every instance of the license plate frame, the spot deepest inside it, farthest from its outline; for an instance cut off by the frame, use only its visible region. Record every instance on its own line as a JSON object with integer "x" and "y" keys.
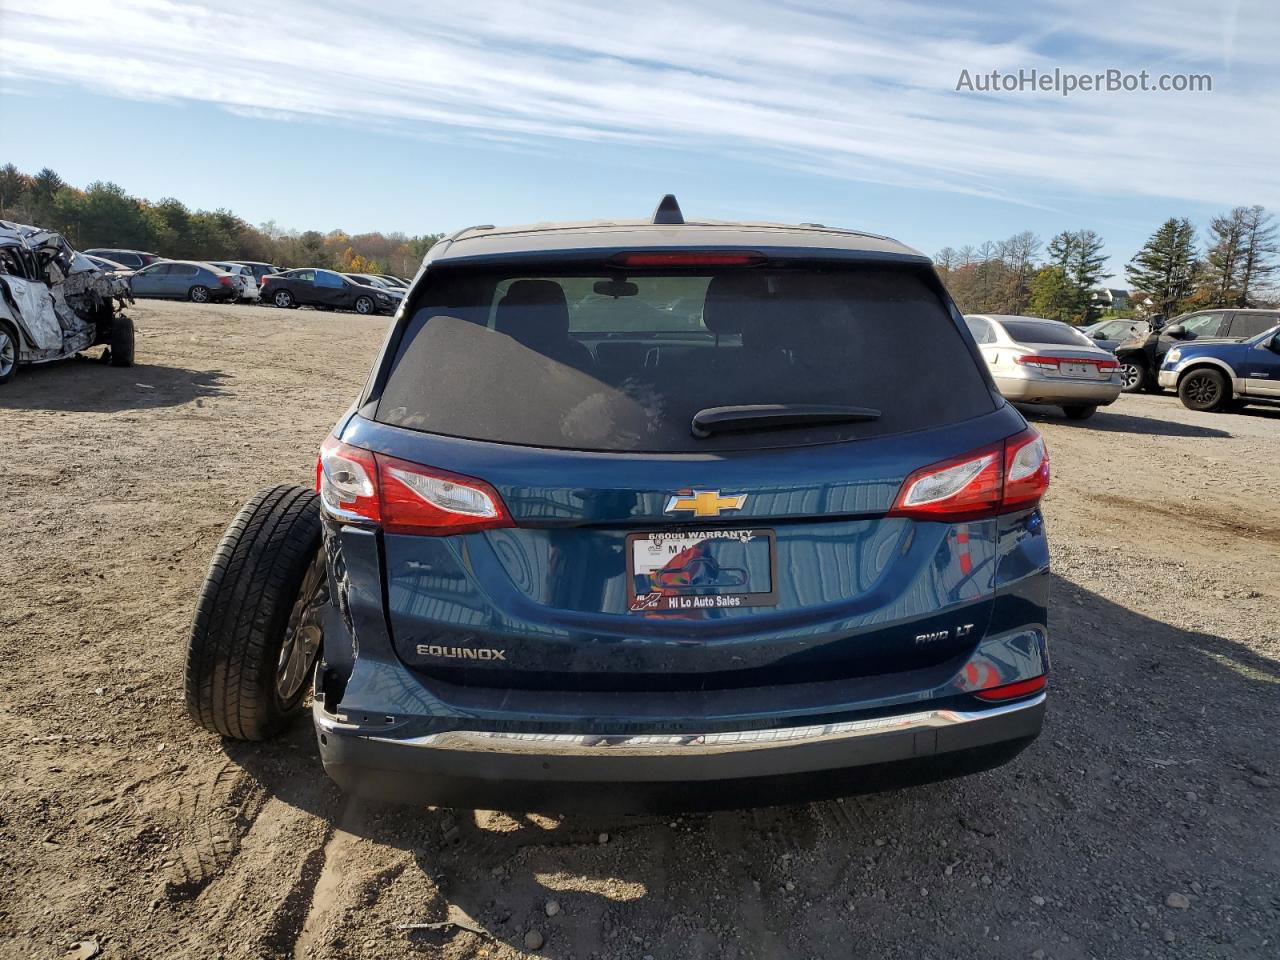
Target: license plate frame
{"x": 1080, "y": 370}
{"x": 672, "y": 597}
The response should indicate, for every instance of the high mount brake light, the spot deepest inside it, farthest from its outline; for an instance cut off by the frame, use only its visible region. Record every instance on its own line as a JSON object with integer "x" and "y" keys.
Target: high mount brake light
{"x": 708, "y": 258}
{"x": 404, "y": 497}
{"x": 1000, "y": 478}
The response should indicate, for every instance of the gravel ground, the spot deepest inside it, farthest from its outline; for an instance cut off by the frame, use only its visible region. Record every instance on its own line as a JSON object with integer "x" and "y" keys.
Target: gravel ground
{"x": 1142, "y": 823}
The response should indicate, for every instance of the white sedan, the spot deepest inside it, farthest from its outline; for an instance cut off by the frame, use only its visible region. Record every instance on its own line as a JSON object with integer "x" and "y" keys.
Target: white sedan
{"x": 246, "y": 283}
{"x": 1034, "y": 360}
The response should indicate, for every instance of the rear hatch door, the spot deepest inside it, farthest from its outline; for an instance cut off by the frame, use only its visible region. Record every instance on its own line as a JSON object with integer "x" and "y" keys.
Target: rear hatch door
{"x": 643, "y": 556}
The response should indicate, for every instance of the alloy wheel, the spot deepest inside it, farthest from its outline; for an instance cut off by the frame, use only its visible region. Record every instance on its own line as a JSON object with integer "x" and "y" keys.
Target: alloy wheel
{"x": 1129, "y": 375}
{"x": 8, "y": 354}
{"x": 1203, "y": 390}
{"x": 303, "y": 636}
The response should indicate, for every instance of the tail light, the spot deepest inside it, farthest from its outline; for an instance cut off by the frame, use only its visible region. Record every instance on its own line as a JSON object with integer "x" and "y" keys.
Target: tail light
{"x": 1013, "y": 691}
{"x": 1055, "y": 363}
{"x": 404, "y": 497}
{"x": 224, "y": 281}
{"x": 1006, "y": 476}
{"x": 1041, "y": 363}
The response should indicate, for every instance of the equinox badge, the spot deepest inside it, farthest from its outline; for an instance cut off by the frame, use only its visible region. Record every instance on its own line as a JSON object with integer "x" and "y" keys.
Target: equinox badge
{"x": 704, "y": 503}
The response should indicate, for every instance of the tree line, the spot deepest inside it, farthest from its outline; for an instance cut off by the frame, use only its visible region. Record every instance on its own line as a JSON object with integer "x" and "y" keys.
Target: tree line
{"x": 103, "y": 214}
{"x": 1235, "y": 269}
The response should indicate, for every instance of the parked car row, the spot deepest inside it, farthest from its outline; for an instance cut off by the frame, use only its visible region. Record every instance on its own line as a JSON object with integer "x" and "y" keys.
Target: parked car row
{"x": 1215, "y": 359}
{"x": 1142, "y": 357}
{"x": 246, "y": 281}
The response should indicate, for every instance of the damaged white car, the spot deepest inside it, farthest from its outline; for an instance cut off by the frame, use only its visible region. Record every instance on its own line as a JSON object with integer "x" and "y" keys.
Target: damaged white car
{"x": 55, "y": 302}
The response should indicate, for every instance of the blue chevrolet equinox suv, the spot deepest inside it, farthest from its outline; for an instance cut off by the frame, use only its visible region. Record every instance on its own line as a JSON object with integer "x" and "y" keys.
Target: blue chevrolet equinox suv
{"x": 654, "y": 515}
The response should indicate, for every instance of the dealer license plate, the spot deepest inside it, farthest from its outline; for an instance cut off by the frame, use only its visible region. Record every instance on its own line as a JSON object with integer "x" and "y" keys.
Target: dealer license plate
{"x": 676, "y": 571}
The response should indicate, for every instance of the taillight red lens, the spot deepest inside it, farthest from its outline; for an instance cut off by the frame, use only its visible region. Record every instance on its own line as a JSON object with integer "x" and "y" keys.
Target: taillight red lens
{"x": 1055, "y": 363}
{"x": 404, "y": 497}
{"x": 1006, "y": 476}
{"x": 1044, "y": 363}
{"x": 708, "y": 258}
{"x": 224, "y": 281}
{"x": 962, "y": 488}
{"x": 424, "y": 500}
{"x": 1013, "y": 691}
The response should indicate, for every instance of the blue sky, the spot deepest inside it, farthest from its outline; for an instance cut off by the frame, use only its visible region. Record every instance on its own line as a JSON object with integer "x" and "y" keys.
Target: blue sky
{"x": 428, "y": 117}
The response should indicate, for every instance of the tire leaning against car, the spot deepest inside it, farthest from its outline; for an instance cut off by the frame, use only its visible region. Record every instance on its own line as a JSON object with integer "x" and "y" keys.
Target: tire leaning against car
{"x": 8, "y": 351}
{"x": 1204, "y": 389}
{"x": 256, "y": 632}
{"x": 121, "y": 342}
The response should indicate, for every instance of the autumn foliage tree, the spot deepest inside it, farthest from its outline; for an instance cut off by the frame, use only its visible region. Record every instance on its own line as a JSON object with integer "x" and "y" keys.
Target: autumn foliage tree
{"x": 104, "y": 215}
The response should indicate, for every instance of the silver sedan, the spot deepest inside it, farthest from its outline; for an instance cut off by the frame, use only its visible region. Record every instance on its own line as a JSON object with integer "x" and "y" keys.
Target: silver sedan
{"x": 1034, "y": 360}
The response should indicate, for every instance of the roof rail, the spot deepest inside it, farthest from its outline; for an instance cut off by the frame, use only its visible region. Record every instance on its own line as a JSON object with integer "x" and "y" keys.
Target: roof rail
{"x": 457, "y": 233}
{"x": 668, "y": 210}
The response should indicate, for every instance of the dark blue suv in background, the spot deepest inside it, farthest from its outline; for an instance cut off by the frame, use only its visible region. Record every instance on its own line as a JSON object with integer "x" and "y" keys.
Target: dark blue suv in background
{"x": 1225, "y": 376}
{"x": 649, "y": 515}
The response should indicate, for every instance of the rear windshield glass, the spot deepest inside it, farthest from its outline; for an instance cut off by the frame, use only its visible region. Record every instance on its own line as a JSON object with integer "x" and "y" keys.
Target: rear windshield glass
{"x": 1061, "y": 335}
{"x": 610, "y": 362}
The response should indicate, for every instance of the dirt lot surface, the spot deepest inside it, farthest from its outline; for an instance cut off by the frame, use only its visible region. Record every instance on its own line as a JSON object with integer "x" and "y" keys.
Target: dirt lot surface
{"x": 1144, "y": 822}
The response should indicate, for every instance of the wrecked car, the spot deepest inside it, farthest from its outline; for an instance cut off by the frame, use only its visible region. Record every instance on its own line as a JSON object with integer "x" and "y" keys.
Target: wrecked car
{"x": 55, "y": 302}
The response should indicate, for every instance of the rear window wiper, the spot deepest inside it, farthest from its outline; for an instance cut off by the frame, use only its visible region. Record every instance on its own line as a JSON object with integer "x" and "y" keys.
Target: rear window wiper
{"x": 770, "y": 416}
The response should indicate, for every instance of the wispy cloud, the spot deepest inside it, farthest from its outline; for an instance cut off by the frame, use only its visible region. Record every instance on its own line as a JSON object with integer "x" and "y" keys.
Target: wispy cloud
{"x": 861, "y": 91}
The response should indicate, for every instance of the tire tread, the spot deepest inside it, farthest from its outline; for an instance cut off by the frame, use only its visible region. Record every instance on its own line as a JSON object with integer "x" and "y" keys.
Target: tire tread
{"x": 243, "y": 610}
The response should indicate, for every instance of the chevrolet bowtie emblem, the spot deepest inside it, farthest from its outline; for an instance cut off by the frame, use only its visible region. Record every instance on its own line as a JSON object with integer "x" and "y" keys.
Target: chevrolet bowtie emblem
{"x": 704, "y": 503}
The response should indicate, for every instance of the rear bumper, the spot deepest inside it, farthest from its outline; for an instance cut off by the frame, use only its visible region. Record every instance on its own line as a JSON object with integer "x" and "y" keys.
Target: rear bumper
{"x": 1028, "y": 390}
{"x": 565, "y": 772}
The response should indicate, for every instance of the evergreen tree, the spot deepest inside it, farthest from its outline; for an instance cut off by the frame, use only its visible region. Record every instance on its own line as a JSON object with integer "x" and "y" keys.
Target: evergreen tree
{"x": 44, "y": 188}
{"x": 1166, "y": 268}
{"x": 1078, "y": 254}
